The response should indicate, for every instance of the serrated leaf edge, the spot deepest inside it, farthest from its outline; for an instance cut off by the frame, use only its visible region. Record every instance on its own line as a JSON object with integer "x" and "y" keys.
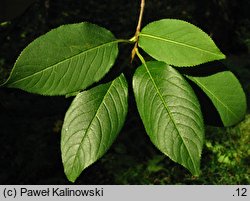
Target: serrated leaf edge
{"x": 204, "y": 88}
{"x": 87, "y": 130}
{"x": 66, "y": 59}
{"x": 171, "y": 19}
{"x": 182, "y": 44}
{"x": 169, "y": 113}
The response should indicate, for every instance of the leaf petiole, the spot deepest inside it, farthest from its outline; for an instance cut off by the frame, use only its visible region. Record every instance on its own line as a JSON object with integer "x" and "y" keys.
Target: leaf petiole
{"x": 125, "y": 41}
{"x": 140, "y": 56}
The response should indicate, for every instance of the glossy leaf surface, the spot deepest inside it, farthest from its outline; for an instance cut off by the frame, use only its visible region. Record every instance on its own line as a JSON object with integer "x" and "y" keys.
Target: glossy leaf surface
{"x": 170, "y": 113}
{"x": 91, "y": 124}
{"x": 226, "y": 93}
{"x": 64, "y": 60}
{"x": 178, "y": 43}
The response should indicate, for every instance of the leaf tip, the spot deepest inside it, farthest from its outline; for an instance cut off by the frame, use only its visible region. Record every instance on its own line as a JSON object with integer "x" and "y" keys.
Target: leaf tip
{"x": 222, "y": 56}
{"x": 71, "y": 179}
{"x": 196, "y": 172}
{"x": 71, "y": 176}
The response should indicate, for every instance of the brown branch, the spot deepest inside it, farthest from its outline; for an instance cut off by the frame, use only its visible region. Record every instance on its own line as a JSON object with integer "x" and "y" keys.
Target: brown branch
{"x": 138, "y": 29}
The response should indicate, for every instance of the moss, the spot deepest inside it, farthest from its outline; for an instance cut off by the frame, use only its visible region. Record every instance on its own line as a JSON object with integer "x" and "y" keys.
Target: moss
{"x": 225, "y": 160}
{"x": 30, "y": 125}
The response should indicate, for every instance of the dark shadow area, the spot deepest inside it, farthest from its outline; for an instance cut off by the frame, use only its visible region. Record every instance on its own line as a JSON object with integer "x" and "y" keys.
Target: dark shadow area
{"x": 30, "y": 125}
{"x": 11, "y": 9}
{"x": 204, "y": 69}
{"x": 210, "y": 114}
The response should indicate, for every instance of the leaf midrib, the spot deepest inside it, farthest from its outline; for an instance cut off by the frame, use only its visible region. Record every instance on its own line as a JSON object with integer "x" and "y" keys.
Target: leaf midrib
{"x": 65, "y": 60}
{"x": 181, "y": 44}
{"x": 205, "y": 88}
{"x": 87, "y": 130}
{"x": 169, "y": 113}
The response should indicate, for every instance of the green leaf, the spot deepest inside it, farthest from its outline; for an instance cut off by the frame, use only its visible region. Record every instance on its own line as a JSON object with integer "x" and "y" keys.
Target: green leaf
{"x": 226, "y": 93}
{"x": 64, "y": 60}
{"x": 170, "y": 113}
{"x": 178, "y": 43}
{"x": 91, "y": 124}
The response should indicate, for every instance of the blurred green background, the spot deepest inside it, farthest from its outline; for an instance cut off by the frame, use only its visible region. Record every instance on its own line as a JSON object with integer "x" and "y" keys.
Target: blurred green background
{"x": 30, "y": 124}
